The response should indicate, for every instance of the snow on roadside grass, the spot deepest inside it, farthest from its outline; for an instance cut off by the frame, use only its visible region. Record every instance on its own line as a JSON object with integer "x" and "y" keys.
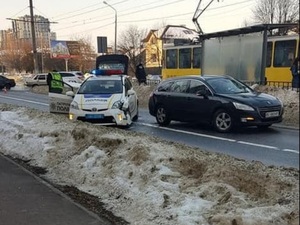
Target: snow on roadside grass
{"x": 147, "y": 180}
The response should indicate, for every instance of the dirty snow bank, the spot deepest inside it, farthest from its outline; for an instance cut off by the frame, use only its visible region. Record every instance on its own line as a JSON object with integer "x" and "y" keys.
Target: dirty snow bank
{"x": 149, "y": 181}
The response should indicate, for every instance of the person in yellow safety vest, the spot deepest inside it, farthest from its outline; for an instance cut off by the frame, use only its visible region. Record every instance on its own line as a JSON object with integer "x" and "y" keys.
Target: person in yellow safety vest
{"x": 55, "y": 82}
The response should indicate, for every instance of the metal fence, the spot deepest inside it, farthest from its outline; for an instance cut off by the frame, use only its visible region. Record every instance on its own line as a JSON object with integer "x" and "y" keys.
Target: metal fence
{"x": 279, "y": 84}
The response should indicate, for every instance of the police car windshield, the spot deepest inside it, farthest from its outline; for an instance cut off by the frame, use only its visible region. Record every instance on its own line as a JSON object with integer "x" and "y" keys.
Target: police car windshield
{"x": 101, "y": 87}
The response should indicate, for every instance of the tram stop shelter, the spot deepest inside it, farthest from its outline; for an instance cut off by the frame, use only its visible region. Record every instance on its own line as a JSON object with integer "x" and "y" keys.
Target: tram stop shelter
{"x": 241, "y": 51}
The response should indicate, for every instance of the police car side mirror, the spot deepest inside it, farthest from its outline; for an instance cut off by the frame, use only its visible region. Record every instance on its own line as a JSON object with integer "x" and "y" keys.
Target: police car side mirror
{"x": 70, "y": 94}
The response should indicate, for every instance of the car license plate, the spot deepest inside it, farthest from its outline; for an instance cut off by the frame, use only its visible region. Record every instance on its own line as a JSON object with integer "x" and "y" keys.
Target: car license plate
{"x": 94, "y": 116}
{"x": 272, "y": 114}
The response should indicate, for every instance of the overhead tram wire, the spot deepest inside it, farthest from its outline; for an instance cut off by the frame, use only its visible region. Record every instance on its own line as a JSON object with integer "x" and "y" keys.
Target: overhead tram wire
{"x": 92, "y": 10}
{"x": 154, "y": 7}
{"x": 85, "y": 31}
{"x": 91, "y": 29}
{"x": 20, "y": 11}
{"x": 41, "y": 13}
{"x": 76, "y": 11}
{"x": 184, "y": 14}
{"x": 155, "y": 18}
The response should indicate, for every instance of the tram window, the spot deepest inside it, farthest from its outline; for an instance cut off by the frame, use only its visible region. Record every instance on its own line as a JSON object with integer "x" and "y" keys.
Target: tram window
{"x": 171, "y": 58}
{"x": 284, "y": 53}
{"x": 196, "y": 57}
{"x": 269, "y": 54}
{"x": 185, "y": 58}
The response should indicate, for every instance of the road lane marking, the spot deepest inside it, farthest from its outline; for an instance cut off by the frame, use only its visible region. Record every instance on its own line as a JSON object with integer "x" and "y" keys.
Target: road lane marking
{"x": 187, "y": 132}
{"x": 290, "y": 150}
{"x": 220, "y": 138}
{"x": 258, "y": 145}
{"x": 24, "y": 100}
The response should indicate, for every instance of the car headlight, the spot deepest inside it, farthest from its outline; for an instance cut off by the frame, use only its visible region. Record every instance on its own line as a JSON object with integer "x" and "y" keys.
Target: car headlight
{"x": 242, "y": 106}
{"x": 118, "y": 104}
{"x": 74, "y": 105}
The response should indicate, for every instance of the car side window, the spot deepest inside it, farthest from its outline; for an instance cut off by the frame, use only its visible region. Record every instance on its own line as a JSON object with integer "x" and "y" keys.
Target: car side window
{"x": 196, "y": 86}
{"x": 164, "y": 86}
{"x": 179, "y": 86}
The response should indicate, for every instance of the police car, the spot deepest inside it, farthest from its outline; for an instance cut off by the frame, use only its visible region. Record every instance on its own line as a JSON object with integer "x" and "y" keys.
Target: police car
{"x": 105, "y": 98}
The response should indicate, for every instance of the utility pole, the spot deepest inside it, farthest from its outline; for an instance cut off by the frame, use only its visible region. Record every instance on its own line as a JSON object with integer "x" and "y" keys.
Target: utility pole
{"x": 35, "y": 56}
{"x": 116, "y": 18}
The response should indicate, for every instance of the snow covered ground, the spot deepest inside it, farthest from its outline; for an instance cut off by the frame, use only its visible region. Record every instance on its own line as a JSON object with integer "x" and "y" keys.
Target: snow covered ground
{"x": 149, "y": 181}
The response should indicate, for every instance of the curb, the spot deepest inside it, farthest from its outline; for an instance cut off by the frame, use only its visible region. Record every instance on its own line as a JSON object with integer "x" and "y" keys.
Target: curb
{"x": 285, "y": 127}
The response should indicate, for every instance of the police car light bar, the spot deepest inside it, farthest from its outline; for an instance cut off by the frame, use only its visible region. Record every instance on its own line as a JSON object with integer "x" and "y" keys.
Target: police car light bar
{"x": 106, "y": 72}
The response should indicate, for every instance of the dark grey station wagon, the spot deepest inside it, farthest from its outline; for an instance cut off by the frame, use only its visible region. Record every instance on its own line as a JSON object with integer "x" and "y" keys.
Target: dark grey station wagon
{"x": 221, "y": 101}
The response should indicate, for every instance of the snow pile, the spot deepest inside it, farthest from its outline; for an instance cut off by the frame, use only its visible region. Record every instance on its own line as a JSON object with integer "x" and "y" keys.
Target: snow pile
{"x": 149, "y": 181}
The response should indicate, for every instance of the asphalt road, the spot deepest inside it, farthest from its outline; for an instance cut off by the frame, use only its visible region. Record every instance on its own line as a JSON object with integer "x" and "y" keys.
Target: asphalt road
{"x": 275, "y": 146}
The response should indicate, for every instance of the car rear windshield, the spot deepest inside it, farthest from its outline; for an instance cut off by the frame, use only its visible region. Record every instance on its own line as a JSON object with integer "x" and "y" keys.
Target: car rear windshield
{"x": 101, "y": 87}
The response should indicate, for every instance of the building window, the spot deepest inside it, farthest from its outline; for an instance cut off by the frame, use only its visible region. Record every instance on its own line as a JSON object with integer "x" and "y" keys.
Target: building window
{"x": 153, "y": 41}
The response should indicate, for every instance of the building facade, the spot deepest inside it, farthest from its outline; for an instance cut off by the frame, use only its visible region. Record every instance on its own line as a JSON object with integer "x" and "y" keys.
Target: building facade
{"x": 153, "y": 52}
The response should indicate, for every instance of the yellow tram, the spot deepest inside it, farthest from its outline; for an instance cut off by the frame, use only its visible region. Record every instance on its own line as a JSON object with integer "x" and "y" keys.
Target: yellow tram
{"x": 281, "y": 51}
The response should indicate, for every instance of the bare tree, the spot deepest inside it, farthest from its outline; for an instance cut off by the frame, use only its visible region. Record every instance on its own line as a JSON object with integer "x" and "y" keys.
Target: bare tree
{"x": 130, "y": 44}
{"x": 276, "y": 11}
{"x": 87, "y": 58}
{"x": 15, "y": 54}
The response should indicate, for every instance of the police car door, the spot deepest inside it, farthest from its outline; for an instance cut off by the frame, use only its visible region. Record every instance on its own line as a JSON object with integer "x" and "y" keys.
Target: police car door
{"x": 132, "y": 98}
{"x": 60, "y": 103}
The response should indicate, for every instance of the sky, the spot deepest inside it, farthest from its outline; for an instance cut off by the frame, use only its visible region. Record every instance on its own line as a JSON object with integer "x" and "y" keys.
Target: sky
{"x": 91, "y": 18}
{"x": 146, "y": 180}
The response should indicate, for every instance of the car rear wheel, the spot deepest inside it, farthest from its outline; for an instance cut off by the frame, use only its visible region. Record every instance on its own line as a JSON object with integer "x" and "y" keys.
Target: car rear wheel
{"x": 222, "y": 121}
{"x": 162, "y": 116}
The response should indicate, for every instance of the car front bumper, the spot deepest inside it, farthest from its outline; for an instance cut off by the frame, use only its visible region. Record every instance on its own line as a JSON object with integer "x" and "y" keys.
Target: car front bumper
{"x": 105, "y": 117}
{"x": 254, "y": 118}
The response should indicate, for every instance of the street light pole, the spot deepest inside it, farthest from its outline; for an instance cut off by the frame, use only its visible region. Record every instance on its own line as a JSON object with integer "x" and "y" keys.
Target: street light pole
{"x": 115, "y": 24}
{"x": 35, "y": 56}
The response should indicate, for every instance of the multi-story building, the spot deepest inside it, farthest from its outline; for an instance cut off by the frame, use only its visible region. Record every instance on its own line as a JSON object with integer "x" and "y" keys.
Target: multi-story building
{"x": 22, "y": 29}
{"x": 5, "y": 35}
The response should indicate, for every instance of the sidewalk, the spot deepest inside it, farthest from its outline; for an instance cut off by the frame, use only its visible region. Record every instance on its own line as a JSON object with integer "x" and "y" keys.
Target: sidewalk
{"x": 25, "y": 199}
